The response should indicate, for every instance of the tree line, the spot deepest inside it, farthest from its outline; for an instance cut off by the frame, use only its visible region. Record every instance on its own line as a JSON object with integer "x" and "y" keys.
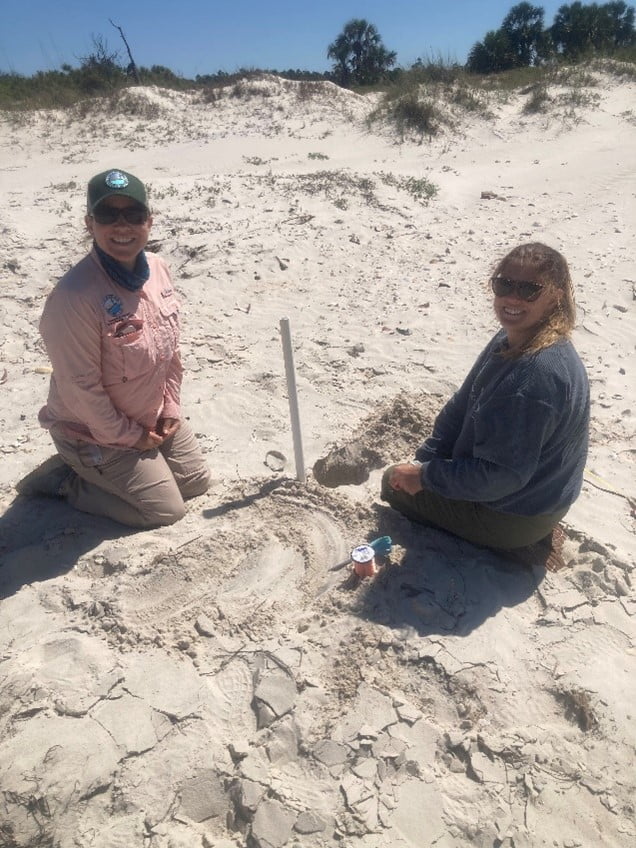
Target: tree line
{"x": 579, "y": 31}
{"x": 358, "y": 54}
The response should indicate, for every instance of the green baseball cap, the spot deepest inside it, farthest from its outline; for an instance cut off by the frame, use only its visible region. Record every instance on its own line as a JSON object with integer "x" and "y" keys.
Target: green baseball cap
{"x": 113, "y": 182}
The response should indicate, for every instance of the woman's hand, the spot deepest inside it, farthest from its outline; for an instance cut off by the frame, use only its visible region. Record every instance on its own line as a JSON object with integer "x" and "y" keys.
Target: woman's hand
{"x": 168, "y": 426}
{"x": 407, "y": 477}
{"x": 149, "y": 440}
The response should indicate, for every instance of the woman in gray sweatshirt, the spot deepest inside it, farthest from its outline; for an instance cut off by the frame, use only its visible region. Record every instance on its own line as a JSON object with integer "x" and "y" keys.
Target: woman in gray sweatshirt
{"x": 506, "y": 457}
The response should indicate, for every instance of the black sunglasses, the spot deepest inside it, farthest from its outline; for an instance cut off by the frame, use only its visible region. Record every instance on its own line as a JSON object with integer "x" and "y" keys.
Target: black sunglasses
{"x": 107, "y": 215}
{"x": 502, "y": 287}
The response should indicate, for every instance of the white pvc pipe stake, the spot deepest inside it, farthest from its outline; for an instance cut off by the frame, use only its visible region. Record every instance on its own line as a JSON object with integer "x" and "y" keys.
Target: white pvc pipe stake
{"x": 290, "y": 373}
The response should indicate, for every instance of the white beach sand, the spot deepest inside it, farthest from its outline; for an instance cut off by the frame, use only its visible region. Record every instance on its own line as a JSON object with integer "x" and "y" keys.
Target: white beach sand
{"x": 213, "y": 683}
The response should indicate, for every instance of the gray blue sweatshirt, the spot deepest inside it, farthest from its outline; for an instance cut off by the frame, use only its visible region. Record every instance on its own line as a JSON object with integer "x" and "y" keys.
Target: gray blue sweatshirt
{"x": 515, "y": 435}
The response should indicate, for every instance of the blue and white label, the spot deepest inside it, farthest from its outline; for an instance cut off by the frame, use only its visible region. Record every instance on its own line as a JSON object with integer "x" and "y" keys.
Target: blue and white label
{"x": 115, "y": 179}
{"x": 112, "y": 304}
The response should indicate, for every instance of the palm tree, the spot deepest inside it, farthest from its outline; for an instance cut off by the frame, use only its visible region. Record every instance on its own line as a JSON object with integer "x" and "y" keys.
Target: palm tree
{"x": 360, "y": 57}
{"x": 519, "y": 42}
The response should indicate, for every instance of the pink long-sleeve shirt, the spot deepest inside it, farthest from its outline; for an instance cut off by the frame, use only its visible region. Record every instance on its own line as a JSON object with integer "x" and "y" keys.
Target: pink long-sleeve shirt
{"x": 114, "y": 352}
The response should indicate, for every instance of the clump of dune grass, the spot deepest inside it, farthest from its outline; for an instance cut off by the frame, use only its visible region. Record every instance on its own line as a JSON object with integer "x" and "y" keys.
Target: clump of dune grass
{"x": 621, "y": 69}
{"x": 338, "y": 186}
{"x": 470, "y": 100}
{"x": 430, "y": 95}
{"x": 538, "y": 101}
{"x": 343, "y": 188}
{"x": 126, "y": 102}
{"x": 244, "y": 89}
{"x": 579, "y": 99}
{"x": 411, "y": 113}
{"x": 309, "y": 90}
{"x": 512, "y": 81}
{"x": 572, "y": 76}
{"x": 238, "y": 86}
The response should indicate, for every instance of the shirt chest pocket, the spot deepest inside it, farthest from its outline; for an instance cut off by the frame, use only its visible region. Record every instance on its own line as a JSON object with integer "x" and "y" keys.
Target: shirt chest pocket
{"x": 127, "y": 332}
{"x": 126, "y": 352}
{"x": 169, "y": 330}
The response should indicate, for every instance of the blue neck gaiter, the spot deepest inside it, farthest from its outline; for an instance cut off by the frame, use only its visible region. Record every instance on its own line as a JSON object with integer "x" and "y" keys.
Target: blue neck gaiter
{"x": 131, "y": 280}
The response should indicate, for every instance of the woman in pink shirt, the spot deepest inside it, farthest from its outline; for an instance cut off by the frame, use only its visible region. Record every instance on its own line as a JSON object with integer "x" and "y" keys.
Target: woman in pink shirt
{"x": 111, "y": 329}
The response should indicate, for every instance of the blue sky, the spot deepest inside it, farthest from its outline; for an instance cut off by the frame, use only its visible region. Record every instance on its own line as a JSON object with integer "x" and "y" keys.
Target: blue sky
{"x": 203, "y": 36}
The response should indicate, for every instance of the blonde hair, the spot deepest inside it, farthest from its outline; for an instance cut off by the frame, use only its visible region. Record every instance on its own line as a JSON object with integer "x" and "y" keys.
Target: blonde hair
{"x": 549, "y": 268}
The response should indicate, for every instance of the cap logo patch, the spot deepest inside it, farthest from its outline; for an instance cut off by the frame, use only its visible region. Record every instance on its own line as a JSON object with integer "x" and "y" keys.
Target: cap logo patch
{"x": 115, "y": 179}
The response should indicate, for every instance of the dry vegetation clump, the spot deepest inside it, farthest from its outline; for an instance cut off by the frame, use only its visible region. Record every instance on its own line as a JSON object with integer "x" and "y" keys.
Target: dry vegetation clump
{"x": 244, "y": 89}
{"x": 414, "y": 114}
{"x": 260, "y": 87}
{"x": 15, "y": 118}
{"x": 522, "y": 80}
{"x": 231, "y": 85}
{"x": 426, "y": 111}
{"x": 341, "y": 187}
{"x": 562, "y": 94}
{"x": 136, "y": 103}
{"x": 574, "y": 77}
{"x": 578, "y": 708}
{"x": 427, "y": 98}
{"x": 470, "y": 100}
{"x": 65, "y": 188}
{"x": 578, "y": 99}
{"x": 620, "y": 70}
{"x": 249, "y": 85}
{"x": 338, "y": 186}
{"x": 426, "y": 102}
{"x": 141, "y": 103}
{"x": 308, "y": 90}
{"x": 539, "y": 99}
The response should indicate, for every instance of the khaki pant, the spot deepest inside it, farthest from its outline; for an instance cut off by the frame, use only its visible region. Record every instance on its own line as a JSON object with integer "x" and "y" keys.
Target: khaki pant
{"x": 471, "y": 521}
{"x": 138, "y": 489}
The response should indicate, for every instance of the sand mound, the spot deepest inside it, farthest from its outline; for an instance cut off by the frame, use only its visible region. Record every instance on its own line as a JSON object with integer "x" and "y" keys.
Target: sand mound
{"x": 390, "y": 433}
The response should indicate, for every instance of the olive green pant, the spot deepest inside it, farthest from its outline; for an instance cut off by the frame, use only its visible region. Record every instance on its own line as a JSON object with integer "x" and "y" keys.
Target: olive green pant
{"x": 471, "y": 521}
{"x": 137, "y": 489}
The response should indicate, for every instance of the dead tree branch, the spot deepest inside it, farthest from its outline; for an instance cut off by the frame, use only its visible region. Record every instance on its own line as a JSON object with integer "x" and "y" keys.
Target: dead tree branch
{"x": 132, "y": 67}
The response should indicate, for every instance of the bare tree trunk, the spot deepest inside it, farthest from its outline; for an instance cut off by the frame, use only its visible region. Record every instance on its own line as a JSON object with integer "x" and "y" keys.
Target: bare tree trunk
{"x": 132, "y": 67}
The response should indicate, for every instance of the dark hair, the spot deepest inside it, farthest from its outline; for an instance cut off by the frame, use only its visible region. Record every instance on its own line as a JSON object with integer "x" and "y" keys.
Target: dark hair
{"x": 550, "y": 268}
